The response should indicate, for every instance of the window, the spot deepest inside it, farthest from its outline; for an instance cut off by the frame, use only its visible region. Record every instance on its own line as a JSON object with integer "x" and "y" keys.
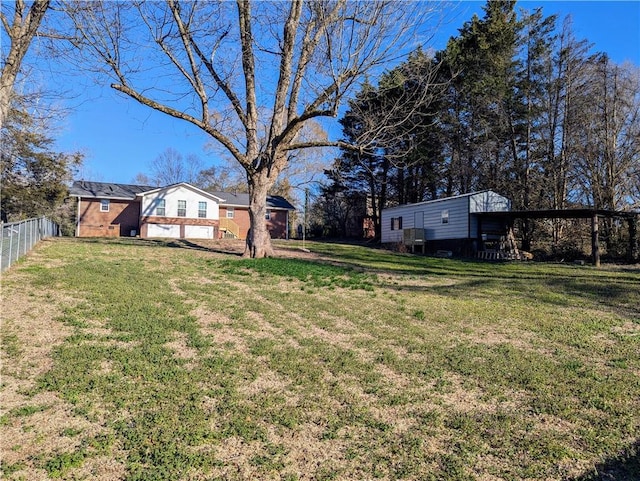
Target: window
{"x": 202, "y": 210}
{"x": 182, "y": 208}
{"x": 161, "y": 207}
{"x": 267, "y": 215}
{"x": 230, "y": 212}
{"x": 104, "y": 205}
{"x": 445, "y": 216}
{"x": 396, "y": 223}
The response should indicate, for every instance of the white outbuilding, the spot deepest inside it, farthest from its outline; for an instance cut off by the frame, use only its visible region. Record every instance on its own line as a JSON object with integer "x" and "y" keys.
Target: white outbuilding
{"x": 461, "y": 225}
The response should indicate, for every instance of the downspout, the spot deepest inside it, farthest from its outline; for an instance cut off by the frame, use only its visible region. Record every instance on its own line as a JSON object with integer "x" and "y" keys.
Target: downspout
{"x": 469, "y": 217}
{"x": 78, "y": 218}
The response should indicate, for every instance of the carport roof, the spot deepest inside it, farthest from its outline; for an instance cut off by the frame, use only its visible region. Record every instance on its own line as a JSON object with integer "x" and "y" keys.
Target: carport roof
{"x": 584, "y": 213}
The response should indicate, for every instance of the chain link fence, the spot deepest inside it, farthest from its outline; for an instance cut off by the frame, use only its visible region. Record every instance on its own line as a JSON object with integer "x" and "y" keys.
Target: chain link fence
{"x": 18, "y": 238}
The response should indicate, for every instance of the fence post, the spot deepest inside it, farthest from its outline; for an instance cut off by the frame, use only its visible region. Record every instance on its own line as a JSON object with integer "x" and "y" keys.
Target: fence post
{"x": 10, "y": 247}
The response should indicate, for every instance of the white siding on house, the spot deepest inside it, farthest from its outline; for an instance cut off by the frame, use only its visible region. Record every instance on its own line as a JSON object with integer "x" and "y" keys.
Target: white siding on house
{"x": 171, "y": 197}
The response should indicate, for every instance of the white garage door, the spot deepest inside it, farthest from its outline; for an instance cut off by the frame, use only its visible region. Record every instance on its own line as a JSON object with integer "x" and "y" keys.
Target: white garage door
{"x": 163, "y": 230}
{"x": 198, "y": 231}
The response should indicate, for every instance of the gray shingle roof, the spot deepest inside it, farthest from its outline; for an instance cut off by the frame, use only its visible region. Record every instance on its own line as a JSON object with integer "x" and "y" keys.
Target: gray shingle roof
{"x": 107, "y": 190}
{"x": 242, "y": 200}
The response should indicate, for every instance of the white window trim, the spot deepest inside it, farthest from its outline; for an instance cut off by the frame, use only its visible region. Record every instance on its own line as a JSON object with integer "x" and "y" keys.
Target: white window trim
{"x": 267, "y": 214}
{"x": 230, "y": 212}
{"x": 103, "y": 203}
{"x": 161, "y": 204}
{"x": 185, "y": 208}
{"x": 444, "y": 216}
{"x": 202, "y": 210}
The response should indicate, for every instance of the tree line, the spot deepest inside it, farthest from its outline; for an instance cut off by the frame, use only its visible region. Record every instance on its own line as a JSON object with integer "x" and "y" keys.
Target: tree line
{"x": 518, "y": 105}
{"x": 514, "y": 103}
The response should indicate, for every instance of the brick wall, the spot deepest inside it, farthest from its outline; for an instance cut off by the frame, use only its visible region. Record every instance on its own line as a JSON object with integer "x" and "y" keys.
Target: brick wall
{"x": 122, "y": 218}
{"x": 240, "y": 217}
{"x": 277, "y": 225}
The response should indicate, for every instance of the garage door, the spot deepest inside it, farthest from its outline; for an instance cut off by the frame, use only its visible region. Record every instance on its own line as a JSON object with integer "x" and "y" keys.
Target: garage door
{"x": 163, "y": 230}
{"x": 198, "y": 231}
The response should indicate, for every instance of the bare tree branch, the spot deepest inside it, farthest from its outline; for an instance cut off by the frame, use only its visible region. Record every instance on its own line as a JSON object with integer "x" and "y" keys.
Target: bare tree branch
{"x": 254, "y": 107}
{"x": 21, "y": 32}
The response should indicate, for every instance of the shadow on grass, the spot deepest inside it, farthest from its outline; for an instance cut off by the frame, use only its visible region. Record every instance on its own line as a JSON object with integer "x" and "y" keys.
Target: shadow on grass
{"x": 170, "y": 243}
{"x": 621, "y": 296}
{"x": 550, "y": 283}
{"x": 625, "y": 467}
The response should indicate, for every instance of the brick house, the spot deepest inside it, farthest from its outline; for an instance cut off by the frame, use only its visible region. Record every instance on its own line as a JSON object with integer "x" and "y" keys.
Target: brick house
{"x": 175, "y": 211}
{"x": 235, "y": 210}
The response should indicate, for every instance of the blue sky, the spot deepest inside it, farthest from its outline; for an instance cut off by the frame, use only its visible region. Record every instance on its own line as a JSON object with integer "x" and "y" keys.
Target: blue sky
{"x": 120, "y": 138}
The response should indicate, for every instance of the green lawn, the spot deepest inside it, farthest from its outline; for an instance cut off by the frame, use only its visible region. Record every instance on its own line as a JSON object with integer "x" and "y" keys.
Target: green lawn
{"x": 126, "y": 359}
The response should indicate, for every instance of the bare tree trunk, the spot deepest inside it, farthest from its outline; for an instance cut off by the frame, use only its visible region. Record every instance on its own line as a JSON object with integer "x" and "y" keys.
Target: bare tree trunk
{"x": 21, "y": 32}
{"x": 258, "y": 238}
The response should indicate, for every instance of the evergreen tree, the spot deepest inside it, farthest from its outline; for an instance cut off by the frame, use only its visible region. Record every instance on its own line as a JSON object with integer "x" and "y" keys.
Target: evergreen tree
{"x": 34, "y": 177}
{"x": 481, "y": 101}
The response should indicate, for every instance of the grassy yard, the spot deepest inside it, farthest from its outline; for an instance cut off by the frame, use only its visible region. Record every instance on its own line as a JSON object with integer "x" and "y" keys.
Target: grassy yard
{"x": 140, "y": 360}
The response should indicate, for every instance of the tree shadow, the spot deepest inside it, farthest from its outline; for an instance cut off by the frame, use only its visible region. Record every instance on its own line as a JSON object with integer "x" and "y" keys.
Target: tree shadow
{"x": 624, "y": 467}
{"x": 167, "y": 243}
{"x": 616, "y": 295}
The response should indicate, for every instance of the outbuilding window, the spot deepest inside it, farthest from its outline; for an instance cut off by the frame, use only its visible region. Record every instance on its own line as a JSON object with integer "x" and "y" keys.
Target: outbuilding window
{"x": 104, "y": 205}
{"x": 182, "y": 208}
{"x": 396, "y": 223}
{"x": 445, "y": 216}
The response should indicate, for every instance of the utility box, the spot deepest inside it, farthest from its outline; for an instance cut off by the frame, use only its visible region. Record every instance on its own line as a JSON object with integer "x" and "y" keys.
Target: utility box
{"x": 413, "y": 238}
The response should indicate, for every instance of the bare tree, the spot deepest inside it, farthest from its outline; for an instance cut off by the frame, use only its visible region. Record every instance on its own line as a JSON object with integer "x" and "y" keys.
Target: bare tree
{"x": 250, "y": 74}
{"x": 607, "y": 154}
{"x": 20, "y": 28}
{"x": 170, "y": 167}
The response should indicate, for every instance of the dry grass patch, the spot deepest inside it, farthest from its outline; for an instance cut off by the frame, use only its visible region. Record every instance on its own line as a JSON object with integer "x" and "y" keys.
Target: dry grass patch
{"x": 37, "y": 425}
{"x": 220, "y": 330}
{"x": 202, "y": 365}
{"x": 181, "y": 349}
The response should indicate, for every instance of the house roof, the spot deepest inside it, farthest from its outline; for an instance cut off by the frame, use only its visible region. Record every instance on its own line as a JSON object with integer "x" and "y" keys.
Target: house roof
{"x": 106, "y": 190}
{"x": 242, "y": 200}
{"x": 185, "y": 185}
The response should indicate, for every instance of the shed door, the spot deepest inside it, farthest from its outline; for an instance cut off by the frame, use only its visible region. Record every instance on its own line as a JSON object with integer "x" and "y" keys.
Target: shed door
{"x": 418, "y": 220}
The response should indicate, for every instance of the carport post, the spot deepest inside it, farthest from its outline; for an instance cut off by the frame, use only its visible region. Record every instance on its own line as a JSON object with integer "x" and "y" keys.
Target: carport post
{"x": 595, "y": 243}
{"x": 634, "y": 251}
